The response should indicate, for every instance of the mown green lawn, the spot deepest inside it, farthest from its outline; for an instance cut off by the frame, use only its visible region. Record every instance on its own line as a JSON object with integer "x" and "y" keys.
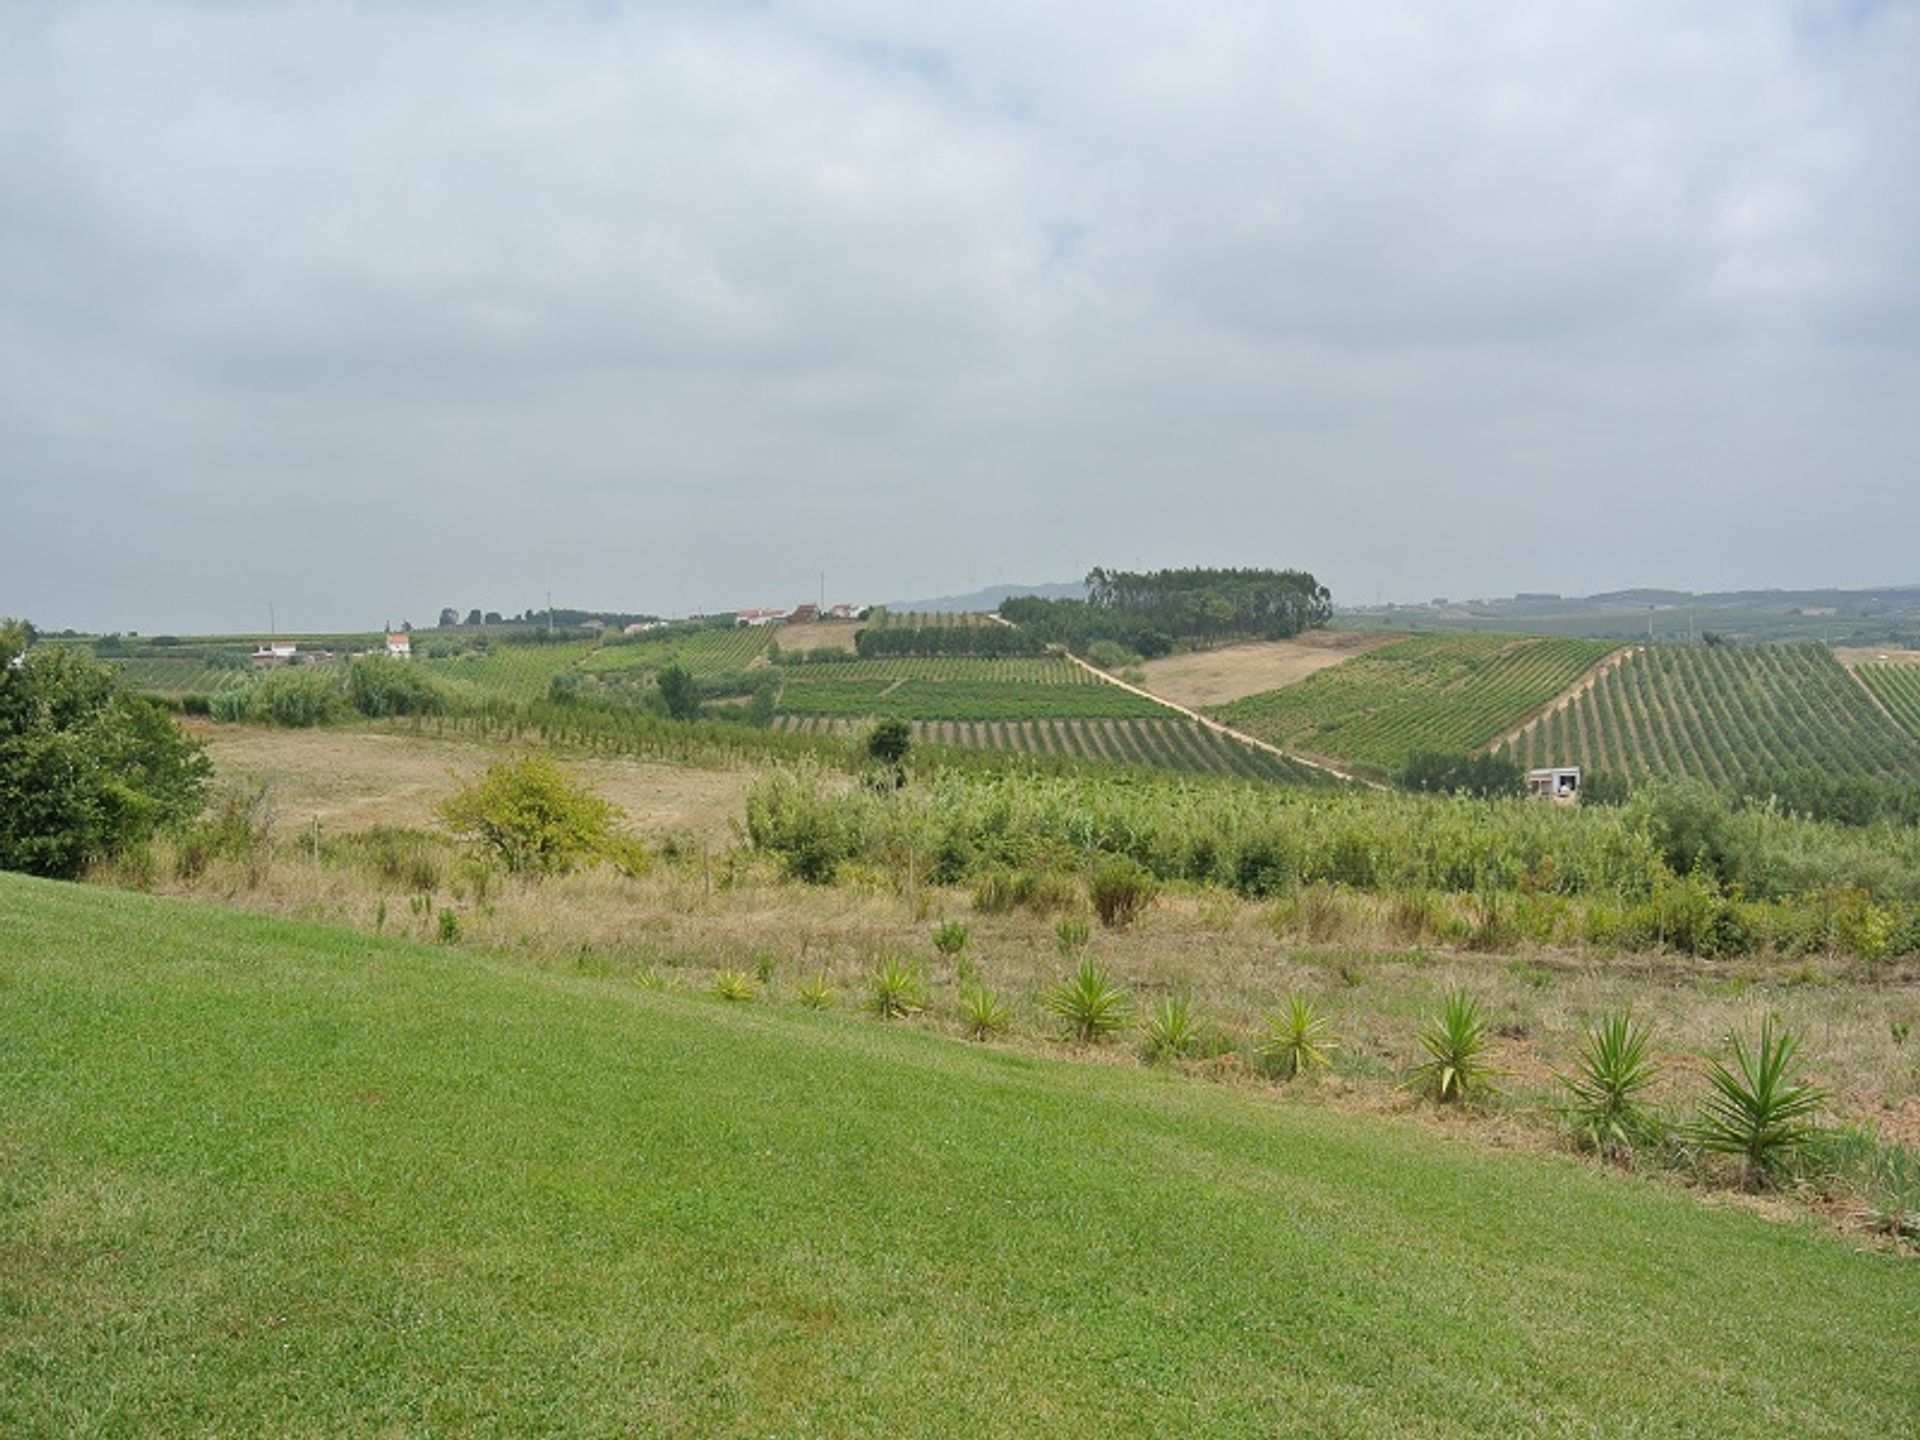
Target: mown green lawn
{"x": 262, "y": 1177}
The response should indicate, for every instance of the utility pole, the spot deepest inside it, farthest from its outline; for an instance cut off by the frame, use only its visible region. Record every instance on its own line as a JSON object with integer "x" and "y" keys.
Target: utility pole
{"x": 549, "y": 614}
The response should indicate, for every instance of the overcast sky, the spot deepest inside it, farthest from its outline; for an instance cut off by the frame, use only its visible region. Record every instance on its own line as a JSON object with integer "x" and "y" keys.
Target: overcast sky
{"x": 363, "y": 309}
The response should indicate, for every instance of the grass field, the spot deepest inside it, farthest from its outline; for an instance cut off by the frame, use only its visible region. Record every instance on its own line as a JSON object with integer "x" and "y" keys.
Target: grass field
{"x": 1428, "y": 692}
{"x": 1729, "y": 716}
{"x": 261, "y": 1177}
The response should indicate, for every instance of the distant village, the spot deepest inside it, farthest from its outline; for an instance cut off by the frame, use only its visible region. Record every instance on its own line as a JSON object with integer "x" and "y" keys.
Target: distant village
{"x": 399, "y": 646}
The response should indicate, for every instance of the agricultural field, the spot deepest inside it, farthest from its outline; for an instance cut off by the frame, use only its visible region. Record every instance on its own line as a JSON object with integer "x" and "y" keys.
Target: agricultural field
{"x": 1732, "y": 716}
{"x": 956, "y": 688}
{"x": 1201, "y": 678}
{"x": 172, "y": 679}
{"x": 881, "y": 619}
{"x": 1428, "y": 692}
{"x": 658, "y": 1212}
{"x": 507, "y": 672}
{"x": 1897, "y": 688}
{"x": 1168, "y": 742}
{"x": 703, "y": 653}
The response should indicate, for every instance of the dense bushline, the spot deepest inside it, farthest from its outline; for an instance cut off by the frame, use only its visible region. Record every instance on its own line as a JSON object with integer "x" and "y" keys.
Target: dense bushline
{"x": 86, "y": 769}
{"x": 1151, "y": 612}
{"x": 1674, "y": 868}
{"x": 983, "y": 640}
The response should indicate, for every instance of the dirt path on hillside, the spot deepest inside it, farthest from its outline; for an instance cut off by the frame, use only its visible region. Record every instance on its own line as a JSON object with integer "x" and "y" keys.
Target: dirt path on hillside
{"x": 1565, "y": 698}
{"x": 1201, "y": 678}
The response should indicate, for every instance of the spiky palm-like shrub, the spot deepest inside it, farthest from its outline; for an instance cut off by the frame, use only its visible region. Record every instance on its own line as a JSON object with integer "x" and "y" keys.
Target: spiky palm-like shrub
{"x": 1172, "y": 1032}
{"x": 1758, "y": 1109}
{"x": 896, "y": 990}
{"x": 1459, "y": 1060}
{"x": 733, "y": 985}
{"x": 1071, "y": 936}
{"x": 1612, "y": 1069}
{"x": 984, "y": 1013}
{"x": 1092, "y": 1006}
{"x": 817, "y": 993}
{"x": 1298, "y": 1039}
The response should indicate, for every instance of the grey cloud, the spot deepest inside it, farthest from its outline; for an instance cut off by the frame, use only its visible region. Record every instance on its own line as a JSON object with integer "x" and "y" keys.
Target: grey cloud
{"x": 374, "y": 308}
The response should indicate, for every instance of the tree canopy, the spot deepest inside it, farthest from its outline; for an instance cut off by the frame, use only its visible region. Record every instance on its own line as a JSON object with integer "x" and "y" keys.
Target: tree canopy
{"x": 1151, "y": 611}
{"x": 85, "y": 768}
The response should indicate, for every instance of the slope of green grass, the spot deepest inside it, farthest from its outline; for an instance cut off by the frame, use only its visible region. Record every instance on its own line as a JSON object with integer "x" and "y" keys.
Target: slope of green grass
{"x": 957, "y": 688}
{"x": 1428, "y": 692}
{"x": 259, "y": 1177}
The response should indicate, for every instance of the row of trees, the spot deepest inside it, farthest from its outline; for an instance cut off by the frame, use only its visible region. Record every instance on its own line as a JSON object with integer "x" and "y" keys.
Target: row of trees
{"x": 1150, "y": 612}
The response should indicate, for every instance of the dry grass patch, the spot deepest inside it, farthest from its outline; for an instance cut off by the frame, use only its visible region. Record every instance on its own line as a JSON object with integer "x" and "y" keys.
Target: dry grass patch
{"x": 1213, "y": 677}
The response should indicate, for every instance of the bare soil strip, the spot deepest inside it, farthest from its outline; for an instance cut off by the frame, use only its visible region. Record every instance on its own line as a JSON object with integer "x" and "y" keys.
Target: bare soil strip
{"x": 1564, "y": 699}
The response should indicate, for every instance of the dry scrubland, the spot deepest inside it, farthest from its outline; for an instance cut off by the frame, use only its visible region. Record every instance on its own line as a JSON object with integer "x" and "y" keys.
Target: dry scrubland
{"x": 707, "y": 906}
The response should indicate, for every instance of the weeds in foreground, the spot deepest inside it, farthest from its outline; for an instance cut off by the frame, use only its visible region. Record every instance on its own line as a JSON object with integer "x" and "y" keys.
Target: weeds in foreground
{"x": 1070, "y": 936}
{"x": 1459, "y": 1061}
{"x": 1298, "y": 1039}
{"x": 734, "y": 985}
{"x": 1892, "y": 1204}
{"x": 950, "y": 937}
{"x": 1172, "y": 1032}
{"x": 1610, "y": 1072}
{"x": 896, "y": 990}
{"x": 1758, "y": 1109}
{"x": 1092, "y": 1006}
{"x": 984, "y": 1013}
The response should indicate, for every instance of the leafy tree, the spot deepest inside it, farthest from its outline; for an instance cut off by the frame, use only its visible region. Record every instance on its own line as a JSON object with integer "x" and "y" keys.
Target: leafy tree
{"x": 379, "y": 687}
{"x": 473, "y": 618}
{"x": 534, "y": 817}
{"x": 678, "y": 692}
{"x": 85, "y": 768}
{"x": 449, "y": 617}
{"x": 889, "y": 741}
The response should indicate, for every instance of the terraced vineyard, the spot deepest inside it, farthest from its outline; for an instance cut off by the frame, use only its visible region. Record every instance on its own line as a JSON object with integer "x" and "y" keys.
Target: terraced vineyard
{"x": 171, "y": 679}
{"x": 1737, "y": 717}
{"x": 508, "y": 672}
{"x": 957, "y": 688}
{"x": 1170, "y": 742}
{"x": 702, "y": 652}
{"x": 928, "y": 619}
{"x": 1897, "y": 687}
{"x": 1452, "y": 692}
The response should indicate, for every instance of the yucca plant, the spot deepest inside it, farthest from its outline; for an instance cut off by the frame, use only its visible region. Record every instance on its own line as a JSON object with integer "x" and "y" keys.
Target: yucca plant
{"x": 1071, "y": 936}
{"x": 1610, "y": 1072}
{"x": 1092, "y": 1006}
{"x": 896, "y": 990}
{"x": 1758, "y": 1109}
{"x": 1172, "y": 1032}
{"x": 950, "y": 937}
{"x": 1298, "y": 1039}
{"x": 984, "y": 1013}
{"x": 1458, "y": 1063}
{"x": 817, "y": 993}
{"x": 1893, "y": 1194}
{"x": 733, "y": 985}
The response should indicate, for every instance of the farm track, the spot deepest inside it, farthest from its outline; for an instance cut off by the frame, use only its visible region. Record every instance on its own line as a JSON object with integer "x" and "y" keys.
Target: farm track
{"x": 1295, "y": 757}
{"x": 1567, "y": 699}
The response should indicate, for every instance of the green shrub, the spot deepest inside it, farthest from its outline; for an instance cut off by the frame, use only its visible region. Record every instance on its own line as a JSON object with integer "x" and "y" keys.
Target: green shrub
{"x": 449, "y": 927}
{"x": 534, "y": 817}
{"x": 1458, "y": 1064}
{"x": 950, "y": 937}
{"x": 1758, "y": 1109}
{"x": 378, "y": 687}
{"x": 1070, "y": 936}
{"x": 816, "y": 993}
{"x": 1121, "y": 890}
{"x": 1090, "y": 1004}
{"x": 1172, "y": 1031}
{"x": 1298, "y": 1039}
{"x": 734, "y": 985}
{"x": 1610, "y": 1072}
{"x": 298, "y": 697}
{"x": 983, "y": 1012}
{"x": 896, "y": 989}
